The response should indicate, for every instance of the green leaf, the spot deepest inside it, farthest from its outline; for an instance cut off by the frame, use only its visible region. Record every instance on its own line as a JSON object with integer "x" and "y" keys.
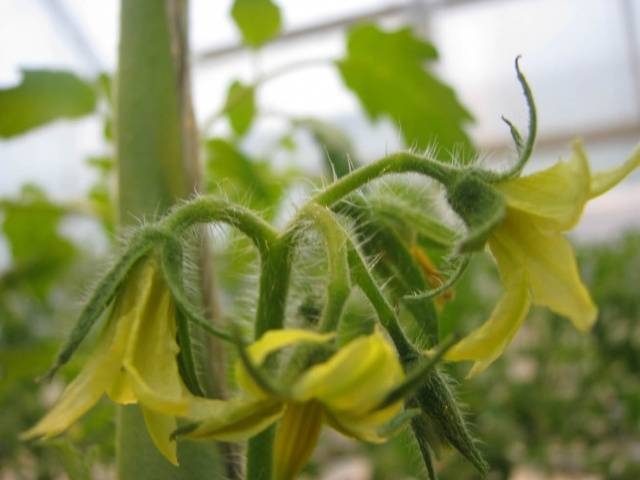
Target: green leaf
{"x": 243, "y": 179}
{"x": 386, "y": 70}
{"x": 338, "y": 152}
{"x": 240, "y": 107}
{"x": 258, "y": 20}
{"x": 38, "y": 250}
{"x": 42, "y": 97}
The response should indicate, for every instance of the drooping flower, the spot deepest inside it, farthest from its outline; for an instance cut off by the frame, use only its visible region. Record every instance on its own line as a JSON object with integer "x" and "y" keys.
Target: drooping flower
{"x": 134, "y": 362}
{"x": 343, "y": 391}
{"x": 536, "y": 262}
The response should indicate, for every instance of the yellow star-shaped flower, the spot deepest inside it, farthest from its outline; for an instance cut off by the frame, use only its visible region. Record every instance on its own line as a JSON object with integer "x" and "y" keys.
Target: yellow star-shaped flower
{"x": 134, "y": 362}
{"x": 536, "y": 262}
{"x": 344, "y": 391}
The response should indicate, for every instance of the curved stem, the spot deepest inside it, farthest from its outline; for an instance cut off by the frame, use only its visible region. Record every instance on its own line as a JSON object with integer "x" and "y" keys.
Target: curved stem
{"x": 397, "y": 264}
{"x": 524, "y": 149}
{"x": 402, "y": 162}
{"x": 211, "y": 209}
{"x": 338, "y": 285}
{"x": 387, "y": 317}
{"x": 172, "y": 269}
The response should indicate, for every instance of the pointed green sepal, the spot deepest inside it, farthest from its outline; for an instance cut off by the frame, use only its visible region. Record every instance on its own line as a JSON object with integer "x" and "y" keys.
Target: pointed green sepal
{"x": 140, "y": 244}
{"x": 437, "y": 402}
{"x": 427, "y": 442}
{"x": 523, "y": 147}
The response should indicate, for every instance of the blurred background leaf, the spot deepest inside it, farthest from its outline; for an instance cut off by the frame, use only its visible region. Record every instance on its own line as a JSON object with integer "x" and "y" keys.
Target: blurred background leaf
{"x": 39, "y": 252}
{"x": 386, "y": 70}
{"x": 42, "y": 97}
{"x": 258, "y": 20}
{"x": 240, "y": 107}
{"x": 246, "y": 180}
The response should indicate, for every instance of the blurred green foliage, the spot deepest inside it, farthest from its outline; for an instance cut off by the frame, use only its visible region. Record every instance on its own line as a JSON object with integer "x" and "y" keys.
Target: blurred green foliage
{"x": 240, "y": 107}
{"x": 394, "y": 82}
{"x": 44, "y": 96}
{"x": 258, "y": 20}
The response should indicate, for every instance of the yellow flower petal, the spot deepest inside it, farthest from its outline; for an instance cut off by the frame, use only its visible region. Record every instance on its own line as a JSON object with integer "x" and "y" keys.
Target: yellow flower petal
{"x": 355, "y": 379}
{"x": 120, "y": 390}
{"x": 549, "y": 263}
{"x": 296, "y": 438}
{"x": 487, "y": 343}
{"x": 277, "y": 339}
{"x": 607, "y": 179}
{"x": 87, "y": 388}
{"x": 232, "y": 420}
{"x": 270, "y": 342}
{"x": 160, "y": 428}
{"x": 365, "y": 426}
{"x": 150, "y": 359}
{"x": 556, "y": 195}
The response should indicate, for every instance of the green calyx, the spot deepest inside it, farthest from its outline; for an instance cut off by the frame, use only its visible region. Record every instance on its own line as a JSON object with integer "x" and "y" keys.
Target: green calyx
{"x": 479, "y": 205}
{"x": 445, "y": 420}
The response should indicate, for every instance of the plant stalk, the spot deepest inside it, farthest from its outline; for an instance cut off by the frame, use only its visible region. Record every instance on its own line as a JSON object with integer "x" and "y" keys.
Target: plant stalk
{"x": 154, "y": 170}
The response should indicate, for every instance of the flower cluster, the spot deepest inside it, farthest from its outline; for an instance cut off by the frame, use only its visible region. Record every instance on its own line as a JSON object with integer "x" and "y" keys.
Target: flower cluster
{"x": 366, "y": 389}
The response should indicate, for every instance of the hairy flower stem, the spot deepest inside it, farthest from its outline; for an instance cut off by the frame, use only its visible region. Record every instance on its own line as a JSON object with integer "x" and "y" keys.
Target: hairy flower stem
{"x": 208, "y": 209}
{"x": 272, "y": 299}
{"x": 338, "y": 284}
{"x": 402, "y": 162}
{"x": 276, "y": 251}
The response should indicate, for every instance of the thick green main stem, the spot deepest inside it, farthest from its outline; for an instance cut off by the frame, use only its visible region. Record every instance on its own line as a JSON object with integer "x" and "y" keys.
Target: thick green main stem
{"x": 152, "y": 169}
{"x": 150, "y": 162}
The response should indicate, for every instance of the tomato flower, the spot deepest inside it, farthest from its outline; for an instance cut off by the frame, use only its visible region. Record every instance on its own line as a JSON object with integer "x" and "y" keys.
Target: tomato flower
{"x": 536, "y": 262}
{"x": 134, "y": 362}
{"x": 343, "y": 391}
